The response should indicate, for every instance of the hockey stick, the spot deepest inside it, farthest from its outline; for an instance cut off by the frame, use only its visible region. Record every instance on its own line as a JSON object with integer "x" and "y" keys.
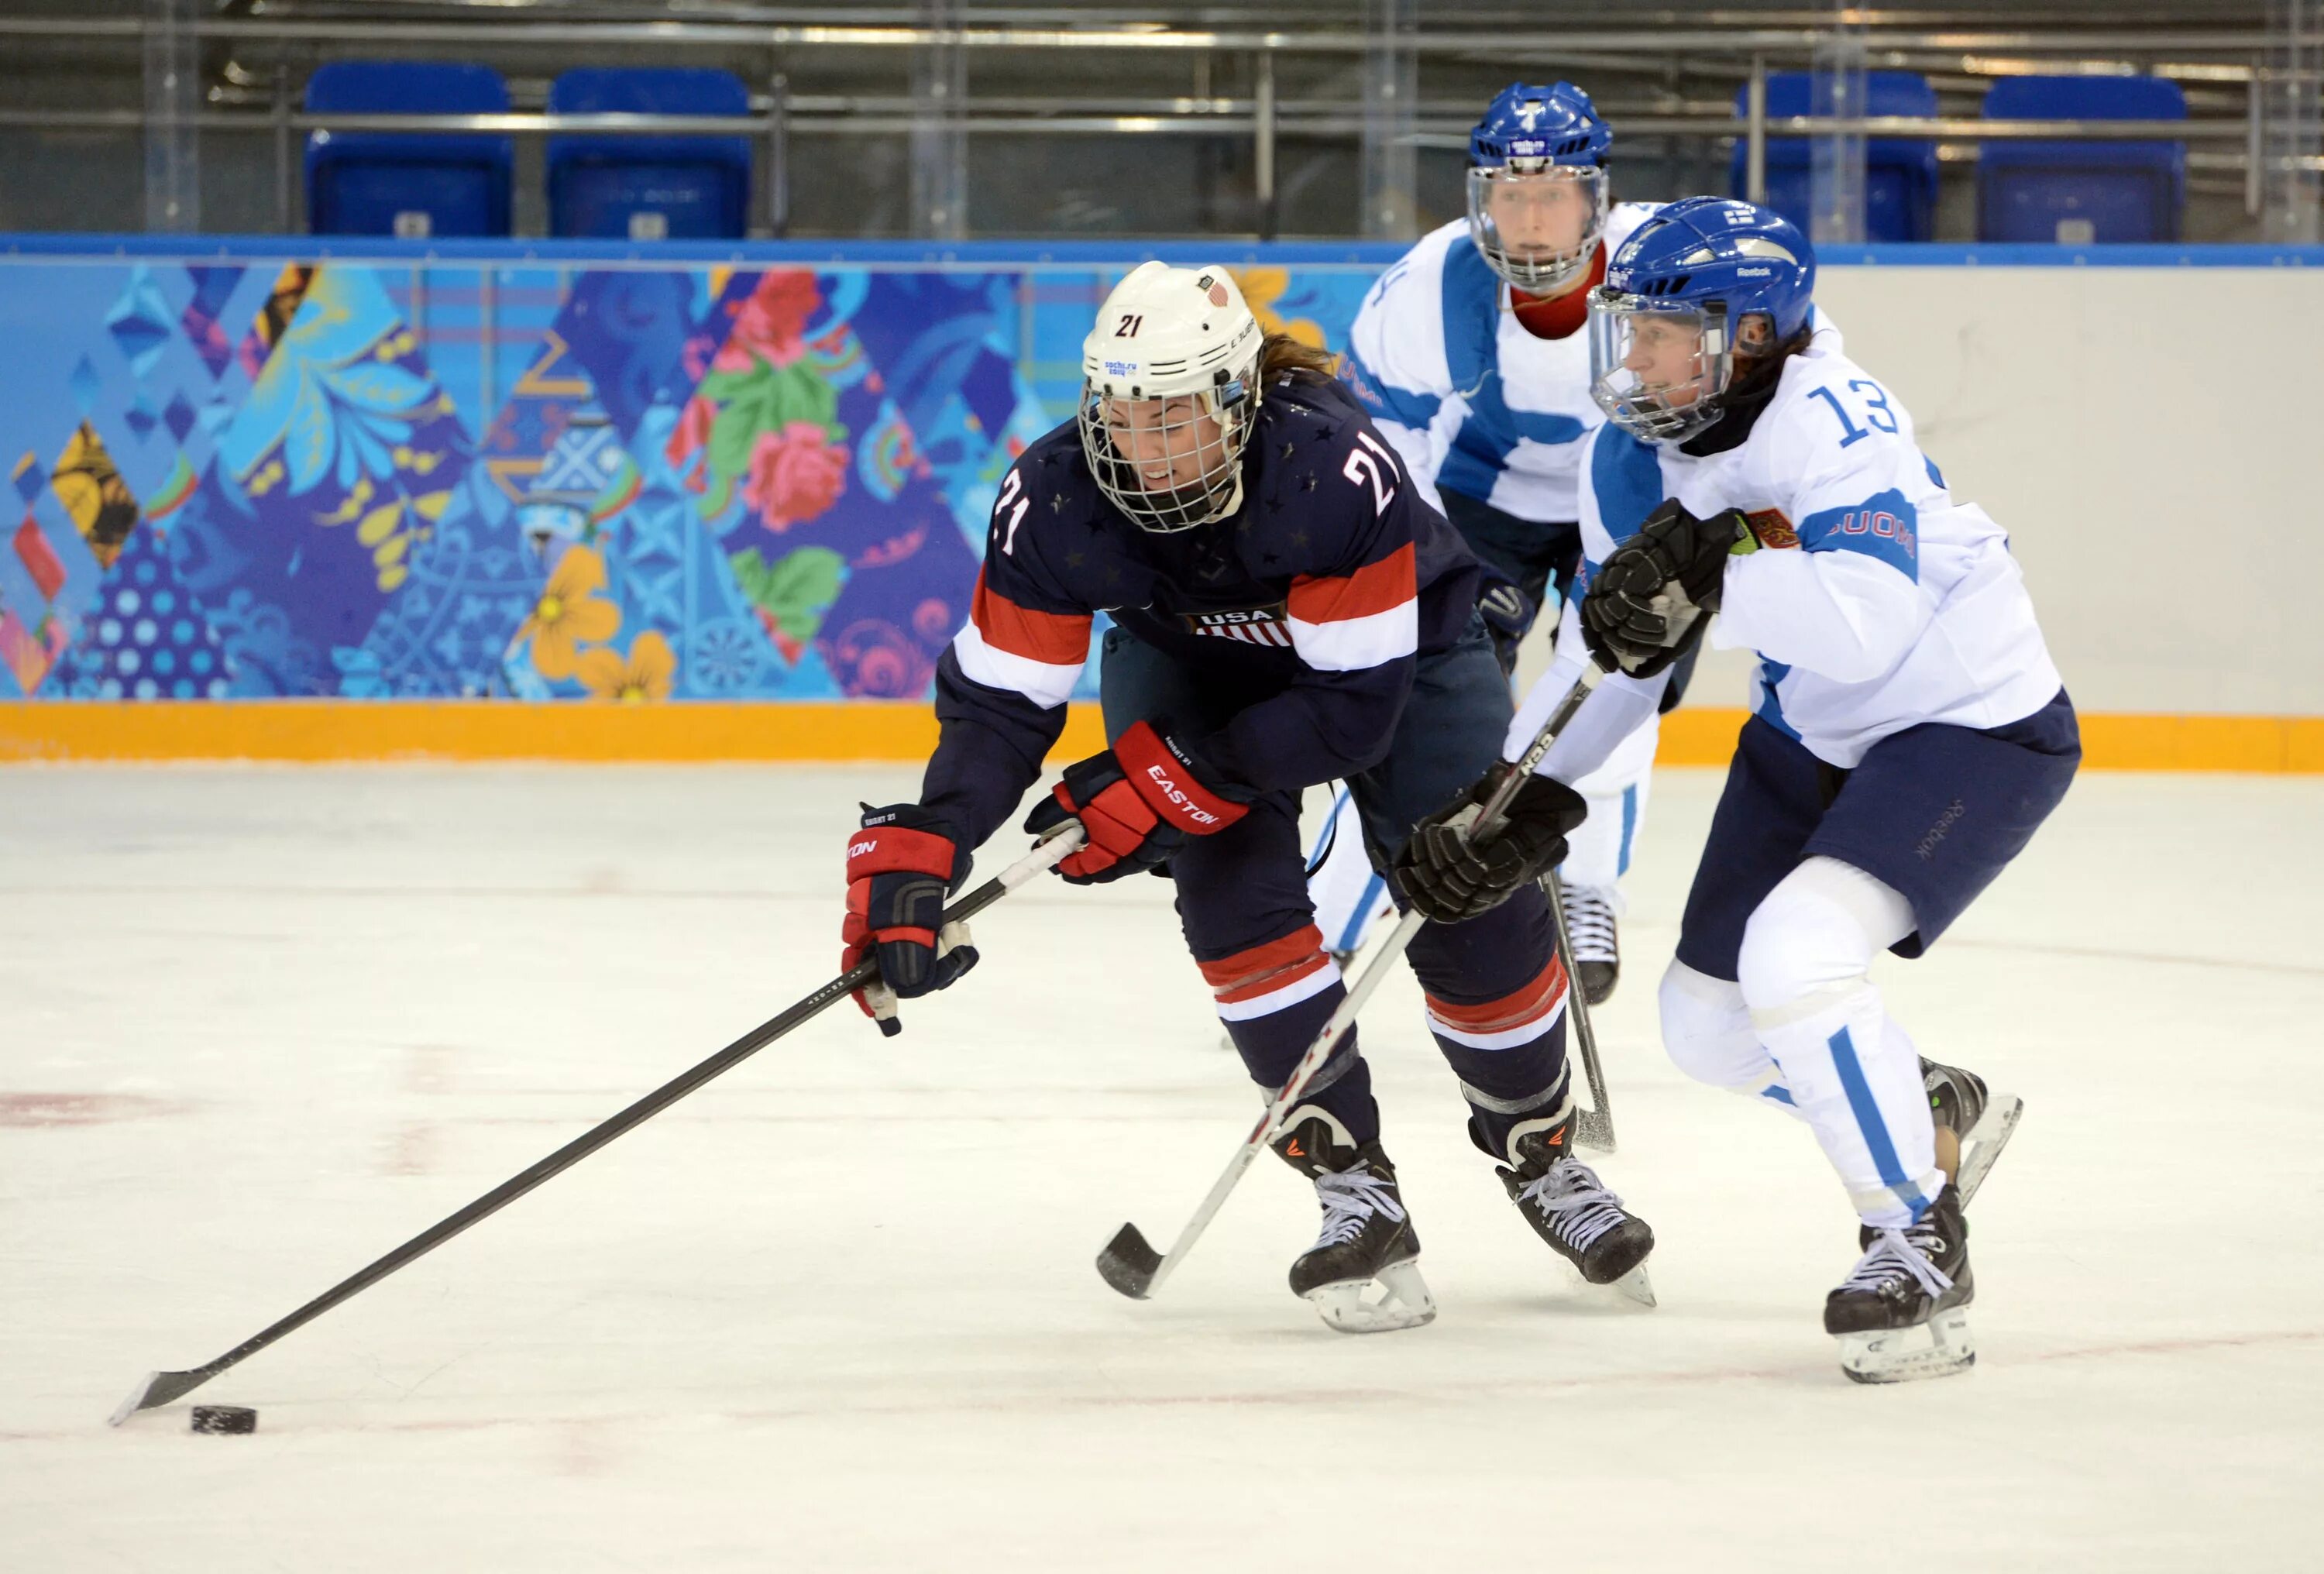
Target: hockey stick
{"x": 160, "y": 1387}
{"x": 1129, "y": 1262}
{"x": 1592, "y": 1128}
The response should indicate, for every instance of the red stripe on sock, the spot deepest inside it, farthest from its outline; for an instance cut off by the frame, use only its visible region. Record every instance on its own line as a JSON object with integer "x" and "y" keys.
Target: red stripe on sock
{"x": 1532, "y": 1002}
{"x": 1265, "y": 967}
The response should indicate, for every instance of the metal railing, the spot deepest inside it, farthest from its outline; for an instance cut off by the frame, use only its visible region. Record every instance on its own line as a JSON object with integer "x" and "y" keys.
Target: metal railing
{"x": 2238, "y": 56}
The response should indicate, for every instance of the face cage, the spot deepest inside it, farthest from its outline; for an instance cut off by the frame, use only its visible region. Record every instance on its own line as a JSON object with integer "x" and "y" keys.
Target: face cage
{"x": 1170, "y": 509}
{"x": 1617, "y": 389}
{"x": 1535, "y": 274}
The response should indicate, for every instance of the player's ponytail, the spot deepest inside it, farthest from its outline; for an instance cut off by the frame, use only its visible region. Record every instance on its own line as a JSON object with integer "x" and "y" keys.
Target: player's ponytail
{"x": 1280, "y": 355}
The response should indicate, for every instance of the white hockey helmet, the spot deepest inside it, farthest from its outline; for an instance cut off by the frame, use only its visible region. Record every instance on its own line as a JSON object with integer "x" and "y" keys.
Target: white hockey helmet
{"x": 1170, "y": 394}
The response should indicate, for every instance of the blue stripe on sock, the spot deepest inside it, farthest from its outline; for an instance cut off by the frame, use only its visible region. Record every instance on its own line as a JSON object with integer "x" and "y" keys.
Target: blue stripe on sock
{"x": 1353, "y": 933}
{"x": 1868, "y": 1122}
{"x": 1629, "y": 826}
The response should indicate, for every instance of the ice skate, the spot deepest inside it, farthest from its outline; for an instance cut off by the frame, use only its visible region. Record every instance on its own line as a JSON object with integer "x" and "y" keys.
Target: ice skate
{"x": 1364, "y": 1272}
{"x": 1590, "y": 924}
{"x": 1972, "y": 1122}
{"x": 1902, "y": 1313}
{"x": 1570, "y": 1208}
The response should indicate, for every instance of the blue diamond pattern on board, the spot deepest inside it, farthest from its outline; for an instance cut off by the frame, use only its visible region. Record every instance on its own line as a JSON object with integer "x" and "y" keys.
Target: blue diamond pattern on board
{"x": 203, "y": 320}
{"x": 87, "y": 387}
{"x": 140, "y": 321}
{"x": 178, "y": 416}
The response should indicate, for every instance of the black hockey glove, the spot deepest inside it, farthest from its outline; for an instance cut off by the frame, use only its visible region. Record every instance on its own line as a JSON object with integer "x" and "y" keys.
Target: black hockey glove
{"x": 1650, "y": 602}
{"x": 1450, "y": 878}
{"x": 1508, "y": 612}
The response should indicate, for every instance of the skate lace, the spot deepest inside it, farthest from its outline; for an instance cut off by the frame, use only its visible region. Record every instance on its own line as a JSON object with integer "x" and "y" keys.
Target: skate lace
{"x": 1350, "y": 1200}
{"x": 1574, "y": 1202}
{"x": 1898, "y": 1255}
{"x": 1590, "y": 920}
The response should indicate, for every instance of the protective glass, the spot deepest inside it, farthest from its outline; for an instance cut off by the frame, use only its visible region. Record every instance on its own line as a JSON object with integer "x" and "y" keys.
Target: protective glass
{"x": 1169, "y": 464}
{"x": 1538, "y": 228}
{"x": 1658, "y": 371}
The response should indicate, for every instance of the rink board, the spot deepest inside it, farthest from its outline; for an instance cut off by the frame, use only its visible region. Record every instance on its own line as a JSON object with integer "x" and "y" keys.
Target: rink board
{"x": 327, "y": 500}
{"x": 329, "y": 730}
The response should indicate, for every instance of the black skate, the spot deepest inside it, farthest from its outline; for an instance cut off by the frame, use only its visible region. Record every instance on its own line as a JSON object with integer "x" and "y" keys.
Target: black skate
{"x": 1903, "y": 1314}
{"x": 1981, "y": 1122}
{"x": 1367, "y": 1238}
{"x": 1597, "y": 941}
{"x": 1570, "y": 1208}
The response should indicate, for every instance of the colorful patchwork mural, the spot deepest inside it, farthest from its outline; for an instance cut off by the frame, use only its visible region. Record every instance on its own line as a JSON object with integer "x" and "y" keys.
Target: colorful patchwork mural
{"x": 428, "y": 479}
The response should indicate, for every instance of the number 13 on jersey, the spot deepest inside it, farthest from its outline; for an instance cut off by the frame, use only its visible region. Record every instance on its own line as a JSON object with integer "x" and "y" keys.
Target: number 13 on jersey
{"x": 1877, "y": 409}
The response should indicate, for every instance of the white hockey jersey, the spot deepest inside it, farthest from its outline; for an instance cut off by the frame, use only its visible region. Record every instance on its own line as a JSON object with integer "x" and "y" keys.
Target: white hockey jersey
{"x": 1472, "y": 400}
{"x": 1877, "y": 602}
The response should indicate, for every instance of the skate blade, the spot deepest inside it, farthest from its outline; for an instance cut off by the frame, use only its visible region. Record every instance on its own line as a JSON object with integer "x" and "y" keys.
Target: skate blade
{"x": 1985, "y": 1141}
{"x": 1403, "y": 1301}
{"x": 1636, "y": 1286}
{"x": 1939, "y": 1348}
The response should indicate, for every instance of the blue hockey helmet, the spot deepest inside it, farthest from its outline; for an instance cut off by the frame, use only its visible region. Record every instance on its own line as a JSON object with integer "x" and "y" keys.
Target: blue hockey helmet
{"x": 1537, "y": 186}
{"x": 1679, "y": 297}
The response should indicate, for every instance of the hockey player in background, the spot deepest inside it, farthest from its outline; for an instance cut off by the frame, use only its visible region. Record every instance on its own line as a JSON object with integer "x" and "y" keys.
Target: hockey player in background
{"x": 1287, "y": 610}
{"x": 1470, "y": 356}
{"x": 1910, "y": 732}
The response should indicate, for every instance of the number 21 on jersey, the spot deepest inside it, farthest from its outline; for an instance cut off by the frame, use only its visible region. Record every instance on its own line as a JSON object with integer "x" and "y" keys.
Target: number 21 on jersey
{"x": 1362, "y": 467}
{"x": 1015, "y": 516}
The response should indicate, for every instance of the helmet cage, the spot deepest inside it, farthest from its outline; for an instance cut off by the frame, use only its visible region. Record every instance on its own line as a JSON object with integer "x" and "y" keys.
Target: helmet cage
{"x": 1137, "y": 442}
{"x": 1534, "y": 269}
{"x": 1668, "y": 412}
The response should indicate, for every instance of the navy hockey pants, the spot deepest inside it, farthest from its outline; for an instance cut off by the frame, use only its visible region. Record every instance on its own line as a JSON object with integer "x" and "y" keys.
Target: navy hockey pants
{"x": 1495, "y": 987}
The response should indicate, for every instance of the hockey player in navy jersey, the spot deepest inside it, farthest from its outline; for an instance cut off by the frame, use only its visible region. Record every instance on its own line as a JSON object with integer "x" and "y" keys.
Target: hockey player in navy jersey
{"x": 1287, "y": 610}
{"x": 1470, "y": 356}
{"x": 1909, "y": 735}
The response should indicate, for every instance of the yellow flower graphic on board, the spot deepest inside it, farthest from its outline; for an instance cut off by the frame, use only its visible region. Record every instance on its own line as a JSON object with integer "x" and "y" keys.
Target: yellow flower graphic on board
{"x": 570, "y": 613}
{"x": 645, "y": 674}
{"x": 1261, "y": 288}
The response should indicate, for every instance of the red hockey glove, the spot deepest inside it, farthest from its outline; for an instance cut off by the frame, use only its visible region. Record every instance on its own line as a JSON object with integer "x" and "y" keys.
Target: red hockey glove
{"x": 899, "y": 867}
{"x": 1139, "y": 802}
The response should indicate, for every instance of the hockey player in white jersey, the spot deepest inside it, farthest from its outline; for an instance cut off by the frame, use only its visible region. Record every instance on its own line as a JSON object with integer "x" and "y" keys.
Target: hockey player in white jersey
{"x": 1471, "y": 357}
{"x": 1909, "y": 732}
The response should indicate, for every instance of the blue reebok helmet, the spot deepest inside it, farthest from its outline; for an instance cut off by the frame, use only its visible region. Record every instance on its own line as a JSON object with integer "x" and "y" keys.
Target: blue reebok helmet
{"x": 1702, "y": 264}
{"x": 1544, "y": 150}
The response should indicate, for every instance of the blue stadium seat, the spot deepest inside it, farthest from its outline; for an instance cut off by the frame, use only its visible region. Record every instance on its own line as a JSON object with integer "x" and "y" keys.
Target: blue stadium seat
{"x": 2077, "y": 192}
{"x": 648, "y": 188}
{"x": 1900, "y": 174}
{"x": 411, "y": 184}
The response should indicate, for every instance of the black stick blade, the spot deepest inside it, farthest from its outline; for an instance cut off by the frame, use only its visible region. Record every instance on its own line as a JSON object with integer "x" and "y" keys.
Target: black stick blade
{"x": 158, "y": 1388}
{"x": 1128, "y": 1263}
{"x": 1593, "y": 1130}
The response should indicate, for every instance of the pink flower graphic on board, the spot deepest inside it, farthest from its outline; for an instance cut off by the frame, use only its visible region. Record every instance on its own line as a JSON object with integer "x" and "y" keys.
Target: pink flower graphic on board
{"x": 796, "y": 474}
{"x": 771, "y": 326}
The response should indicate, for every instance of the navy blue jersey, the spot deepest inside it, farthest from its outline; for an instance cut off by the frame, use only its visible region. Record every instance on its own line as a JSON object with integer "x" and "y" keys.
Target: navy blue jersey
{"x": 1318, "y": 592}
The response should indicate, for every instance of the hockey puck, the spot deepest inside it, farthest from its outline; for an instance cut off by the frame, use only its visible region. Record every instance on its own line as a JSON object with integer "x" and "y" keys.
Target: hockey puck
{"x": 225, "y": 1418}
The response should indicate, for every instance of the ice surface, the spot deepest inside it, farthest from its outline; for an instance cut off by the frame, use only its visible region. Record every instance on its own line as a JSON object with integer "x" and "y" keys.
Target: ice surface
{"x": 837, "y": 1311}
